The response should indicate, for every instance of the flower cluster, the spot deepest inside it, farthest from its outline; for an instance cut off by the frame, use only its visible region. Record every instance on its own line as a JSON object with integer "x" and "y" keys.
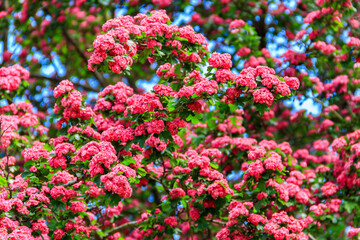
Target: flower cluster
{"x": 128, "y": 36}
{"x": 10, "y": 77}
{"x": 70, "y": 103}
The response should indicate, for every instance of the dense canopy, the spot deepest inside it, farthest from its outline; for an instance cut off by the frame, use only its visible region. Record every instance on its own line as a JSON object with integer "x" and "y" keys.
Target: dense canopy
{"x": 228, "y": 120}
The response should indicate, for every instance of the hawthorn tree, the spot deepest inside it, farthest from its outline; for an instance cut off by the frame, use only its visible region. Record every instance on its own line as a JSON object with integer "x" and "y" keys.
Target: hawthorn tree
{"x": 218, "y": 148}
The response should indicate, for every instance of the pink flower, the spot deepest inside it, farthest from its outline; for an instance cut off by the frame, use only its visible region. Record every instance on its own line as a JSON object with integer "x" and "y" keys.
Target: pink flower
{"x": 10, "y": 77}
{"x": 198, "y": 161}
{"x": 185, "y": 91}
{"x": 321, "y": 145}
{"x": 35, "y": 153}
{"x": 166, "y": 70}
{"x": 292, "y": 82}
{"x": 255, "y": 169}
{"x": 261, "y": 195}
{"x": 117, "y": 184}
{"x": 218, "y": 60}
{"x": 328, "y": 189}
{"x": 236, "y": 209}
{"x": 354, "y": 42}
{"x": 243, "y": 51}
{"x": 171, "y": 221}
{"x": 163, "y": 90}
{"x": 263, "y": 95}
{"x": 326, "y": 124}
{"x": 156, "y": 143}
{"x": 224, "y": 75}
{"x": 155, "y": 126}
{"x": 208, "y": 87}
{"x": 197, "y": 106}
{"x": 58, "y": 234}
{"x": 33, "y": 169}
{"x": 235, "y": 24}
{"x": 104, "y": 42}
{"x": 219, "y": 188}
{"x": 223, "y": 234}
{"x": 177, "y": 192}
{"x": 40, "y": 225}
{"x": 194, "y": 214}
{"x": 274, "y": 162}
{"x": 353, "y": 232}
{"x": 256, "y": 219}
{"x": 77, "y": 206}
{"x": 283, "y": 89}
{"x": 318, "y": 209}
{"x": 63, "y": 87}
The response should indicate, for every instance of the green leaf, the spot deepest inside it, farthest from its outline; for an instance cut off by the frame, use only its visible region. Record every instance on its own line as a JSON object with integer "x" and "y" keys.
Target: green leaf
{"x": 128, "y": 161}
{"x": 214, "y": 165}
{"x": 350, "y": 206}
{"x": 165, "y": 136}
{"x": 25, "y": 174}
{"x": 261, "y": 108}
{"x": 28, "y": 164}
{"x": 193, "y": 119}
{"x": 3, "y": 181}
{"x": 141, "y": 171}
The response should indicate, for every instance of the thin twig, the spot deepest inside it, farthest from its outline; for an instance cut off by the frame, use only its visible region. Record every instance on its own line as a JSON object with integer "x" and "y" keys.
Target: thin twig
{"x": 121, "y": 227}
{"x": 311, "y": 237}
{"x": 54, "y": 216}
{"x": 70, "y": 183}
{"x": 162, "y": 183}
{"x": 57, "y": 80}
{"x": 73, "y": 182}
{"x": 97, "y": 75}
{"x": 88, "y": 223}
{"x": 218, "y": 222}
{"x": 332, "y": 110}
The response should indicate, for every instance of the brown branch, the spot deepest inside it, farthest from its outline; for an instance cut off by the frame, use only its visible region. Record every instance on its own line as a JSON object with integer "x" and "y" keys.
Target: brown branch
{"x": 88, "y": 223}
{"x": 73, "y": 182}
{"x": 57, "y": 80}
{"x": 311, "y": 237}
{"x": 70, "y": 183}
{"x": 161, "y": 182}
{"x": 97, "y": 75}
{"x": 332, "y": 110}
{"x": 121, "y": 227}
{"x": 54, "y": 216}
{"x": 156, "y": 194}
{"x": 132, "y": 84}
{"x": 218, "y": 222}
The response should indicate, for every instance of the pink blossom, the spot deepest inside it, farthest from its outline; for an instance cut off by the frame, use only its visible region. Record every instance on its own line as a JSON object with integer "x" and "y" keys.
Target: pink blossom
{"x": 218, "y": 60}
{"x": 171, "y": 221}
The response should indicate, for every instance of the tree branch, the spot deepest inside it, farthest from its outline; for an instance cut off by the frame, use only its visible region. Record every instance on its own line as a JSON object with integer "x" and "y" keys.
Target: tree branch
{"x": 132, "y": 84}
{"x": 121, "y": 227}
{"x": 311, "y": 237}
{"x": 57, "y": 80}
{"x": 332, "y": 110}
{"x": 97, "y": 75}
{"x": 70, "y": 183}
{"x": 161, "y": 182}
{"x": 88, "y": 223}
